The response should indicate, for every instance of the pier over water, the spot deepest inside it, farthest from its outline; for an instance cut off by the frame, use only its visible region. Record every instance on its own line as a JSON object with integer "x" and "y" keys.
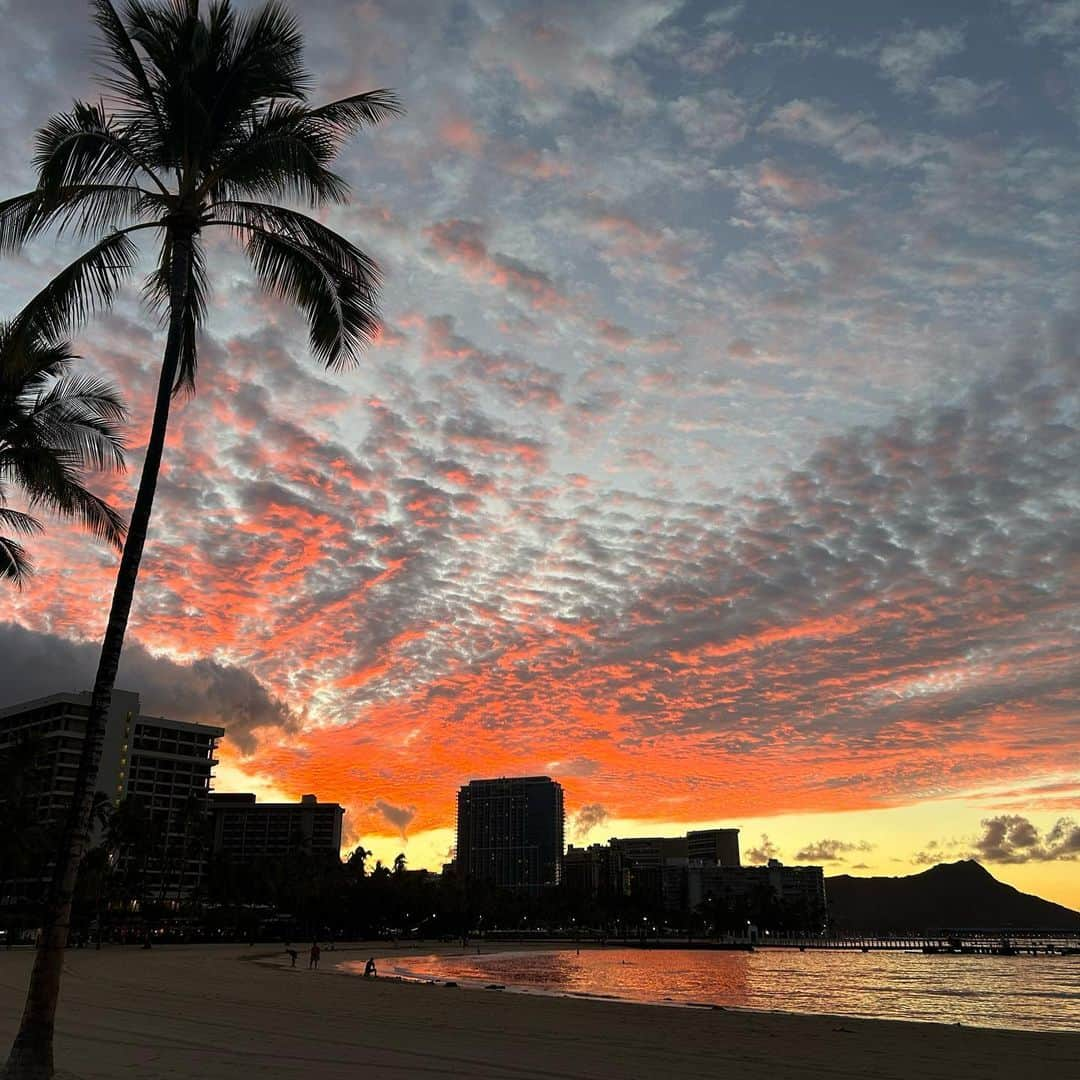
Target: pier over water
{"x": 994, "y": 941}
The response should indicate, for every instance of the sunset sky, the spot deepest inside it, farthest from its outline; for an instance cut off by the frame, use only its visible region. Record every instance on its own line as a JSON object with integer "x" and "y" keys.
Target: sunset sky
{"x": 719, "y": 456}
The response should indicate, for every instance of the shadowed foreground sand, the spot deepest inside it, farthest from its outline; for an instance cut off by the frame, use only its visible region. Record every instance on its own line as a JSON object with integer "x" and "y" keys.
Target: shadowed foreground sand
{"x": 202, "y": 1012}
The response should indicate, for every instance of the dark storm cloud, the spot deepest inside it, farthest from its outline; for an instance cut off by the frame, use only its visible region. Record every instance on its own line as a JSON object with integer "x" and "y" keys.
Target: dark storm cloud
{"x": 37, "y": 664}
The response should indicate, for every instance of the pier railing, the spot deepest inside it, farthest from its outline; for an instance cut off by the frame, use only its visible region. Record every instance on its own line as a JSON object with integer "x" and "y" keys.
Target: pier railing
{"x": 996, "y": 941}
{"x": 983, "y": 940}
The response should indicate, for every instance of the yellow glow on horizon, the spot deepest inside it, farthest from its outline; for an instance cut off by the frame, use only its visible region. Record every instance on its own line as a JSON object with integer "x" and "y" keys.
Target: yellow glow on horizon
{"x": 895, "y": 835}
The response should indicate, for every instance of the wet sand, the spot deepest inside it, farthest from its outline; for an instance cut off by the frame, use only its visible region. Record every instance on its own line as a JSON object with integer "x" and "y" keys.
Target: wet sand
{"x": 226, "y": 1012}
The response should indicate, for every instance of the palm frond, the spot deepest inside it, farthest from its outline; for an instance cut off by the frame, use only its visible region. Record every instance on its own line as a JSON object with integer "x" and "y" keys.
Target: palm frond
{"x": 342, "y": 316}
{"x": 188, "y": 363}
{"x": 86, "y": 146}
{"x": 287, "y": 151}
{"x": 157, "y": 290}
{"x": 49, "y": 473}
{"x": 154, "y": 27}
{"x": 88, "y": 283}
{"x": 52, "y": 427}
{"x": 124, "y": 72}
{"x": 265, "y": 61}
{"x": 80, "y": 208}
{"x": 91, "y": 209}
{"x": 75, "y": 501}
{"x": 15, "y": 564}
{"x": 157, "y": 293}
{"x": 348, "y": 115}
{"x": 18, "y": 522}
{"x": 41, "y": 471}
{"x": 20, "y": 219}
{"x": 27, "y": 367}
{"x": 279, "y": 155}
{"x": 347, "y": 259}
{"x": 81, "y": 415}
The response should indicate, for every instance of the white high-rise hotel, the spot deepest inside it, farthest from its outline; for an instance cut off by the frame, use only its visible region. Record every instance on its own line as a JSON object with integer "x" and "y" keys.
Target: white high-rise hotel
{"x": 166, "y": 764}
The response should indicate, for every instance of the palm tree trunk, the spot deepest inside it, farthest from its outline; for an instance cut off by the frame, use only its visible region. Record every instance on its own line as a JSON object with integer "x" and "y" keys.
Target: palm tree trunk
{"x": 31, "y": 1056}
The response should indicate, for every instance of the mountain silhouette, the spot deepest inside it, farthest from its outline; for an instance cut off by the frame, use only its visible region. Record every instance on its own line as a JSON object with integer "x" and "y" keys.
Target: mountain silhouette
{"x": 959, "y": 894}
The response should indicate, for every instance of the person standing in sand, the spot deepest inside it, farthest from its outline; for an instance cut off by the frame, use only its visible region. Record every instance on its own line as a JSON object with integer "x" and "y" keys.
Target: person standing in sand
{"x": 313, "y": 959}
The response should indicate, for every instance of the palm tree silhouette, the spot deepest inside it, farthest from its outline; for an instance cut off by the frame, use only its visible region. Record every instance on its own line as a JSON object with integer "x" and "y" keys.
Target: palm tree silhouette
{"x": 210, "y": 120}
{"x": 53, "y": 427}
{"x": 357, "y": 861}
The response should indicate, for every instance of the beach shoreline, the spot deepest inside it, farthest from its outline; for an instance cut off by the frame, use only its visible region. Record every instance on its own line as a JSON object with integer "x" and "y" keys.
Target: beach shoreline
{"x": 1007, "y": 1008}
{"x": 200, "y": 1011}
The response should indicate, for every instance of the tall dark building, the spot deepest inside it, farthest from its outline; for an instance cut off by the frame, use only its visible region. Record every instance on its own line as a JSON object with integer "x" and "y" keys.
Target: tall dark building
{"x": 166, "y": 766}
{"x": 719, "y": 847}
{"x": 591, "y": 872}
{"x": 510, "y": 831}
{"x": 246, "y": 830}
{"x": 652, "y": 868}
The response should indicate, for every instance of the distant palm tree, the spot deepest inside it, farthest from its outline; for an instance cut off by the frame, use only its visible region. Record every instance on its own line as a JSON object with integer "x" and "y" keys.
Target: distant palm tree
{"x": 131, "y": 833}
{"x": 357, "y": 861}
{"x": 210, "y": 121}
{"x": 53, "y": 427}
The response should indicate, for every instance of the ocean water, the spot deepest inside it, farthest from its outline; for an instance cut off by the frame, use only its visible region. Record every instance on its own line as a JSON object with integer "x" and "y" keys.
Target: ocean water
{"x": 1040, "y": 993}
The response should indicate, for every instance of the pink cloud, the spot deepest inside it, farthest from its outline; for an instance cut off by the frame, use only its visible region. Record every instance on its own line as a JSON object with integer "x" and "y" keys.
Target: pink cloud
{"x": 462, "y": 243}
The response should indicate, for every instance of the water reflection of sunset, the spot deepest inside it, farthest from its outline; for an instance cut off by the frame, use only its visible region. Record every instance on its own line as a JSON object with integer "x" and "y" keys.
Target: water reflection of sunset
{"x": 974, "y": 991}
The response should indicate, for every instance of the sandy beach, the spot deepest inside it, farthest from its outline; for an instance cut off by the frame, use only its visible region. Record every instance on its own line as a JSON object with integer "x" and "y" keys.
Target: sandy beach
{"x": 225, "y": 1011}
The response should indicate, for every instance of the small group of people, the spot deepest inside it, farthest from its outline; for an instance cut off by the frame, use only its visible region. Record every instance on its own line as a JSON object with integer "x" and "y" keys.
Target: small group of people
{"x": 313, "y": 955}
{"x": 370, "y": 970}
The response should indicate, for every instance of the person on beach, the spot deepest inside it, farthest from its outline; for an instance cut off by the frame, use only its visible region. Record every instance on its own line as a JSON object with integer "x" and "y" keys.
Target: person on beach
{"x": 293, "y": 954}
{"x": 370, "y": 971}
{"x": 313, "y": 959}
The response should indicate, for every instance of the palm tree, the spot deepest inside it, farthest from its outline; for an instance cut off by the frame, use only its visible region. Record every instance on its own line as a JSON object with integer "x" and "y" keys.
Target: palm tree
{"x": 357, "y": 861}
{"x": 53, "y": 426}
{"x": 209, "y": 122}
